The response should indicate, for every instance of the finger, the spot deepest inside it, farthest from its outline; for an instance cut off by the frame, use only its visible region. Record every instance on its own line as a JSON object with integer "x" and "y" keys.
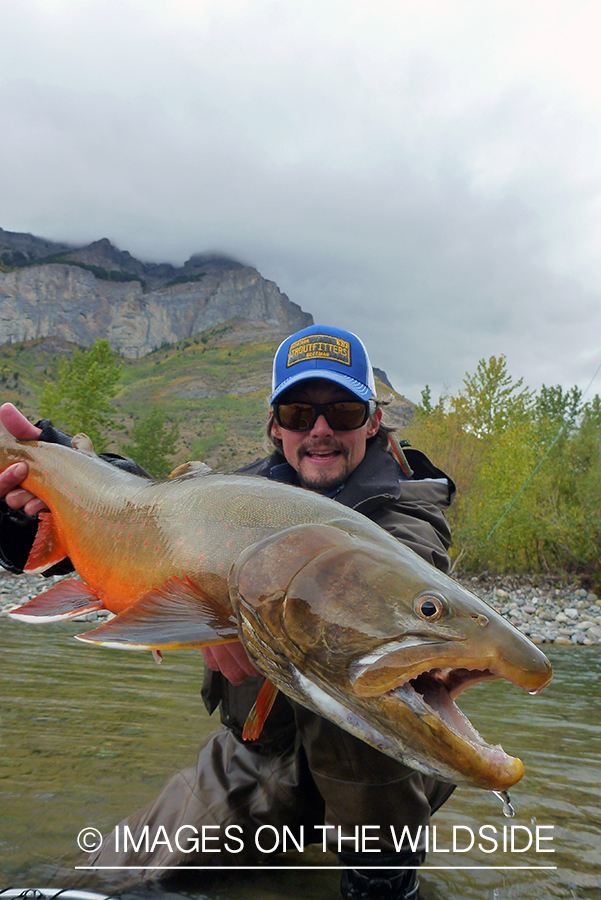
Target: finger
{"x": 28, "y": 502}
{"x": 245, "y": 664}
{"x": 16, "y": 423}
{"x": 12, "y": 477}
{"x": 228, "y": 665}
{"x": 209, "y": 658}
{"x": 231, "y": 660}
{"x": 35, "y": 506}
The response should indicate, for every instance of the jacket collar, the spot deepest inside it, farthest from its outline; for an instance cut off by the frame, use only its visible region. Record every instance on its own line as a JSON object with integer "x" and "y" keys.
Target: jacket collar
{"x": 377, "y": 475}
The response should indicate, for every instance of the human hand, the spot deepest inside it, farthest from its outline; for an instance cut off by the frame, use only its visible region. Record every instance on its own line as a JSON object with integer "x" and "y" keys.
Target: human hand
{"x": 231, "y": 660}
{"x": 16, "y": 497}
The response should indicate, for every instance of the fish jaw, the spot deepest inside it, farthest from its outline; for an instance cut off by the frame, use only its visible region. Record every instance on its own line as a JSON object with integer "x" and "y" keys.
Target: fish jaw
{"x": 368, "y": 660}
{"x": 396, "y": 684}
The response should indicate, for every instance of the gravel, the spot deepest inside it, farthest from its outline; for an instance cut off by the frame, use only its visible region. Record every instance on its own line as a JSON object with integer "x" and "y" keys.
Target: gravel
{"x": 550, "y": 610}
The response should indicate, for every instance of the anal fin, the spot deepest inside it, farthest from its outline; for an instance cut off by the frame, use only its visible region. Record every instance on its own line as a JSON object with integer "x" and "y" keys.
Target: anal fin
{"x": 47, "y": 548}
{"x": 180, "y": 614}
{"x": 65, "y": 600}
{"x": 258, "y": 714}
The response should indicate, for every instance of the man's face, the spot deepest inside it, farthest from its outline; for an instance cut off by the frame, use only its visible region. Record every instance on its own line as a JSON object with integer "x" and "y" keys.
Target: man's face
{"x": 323, "y": 458}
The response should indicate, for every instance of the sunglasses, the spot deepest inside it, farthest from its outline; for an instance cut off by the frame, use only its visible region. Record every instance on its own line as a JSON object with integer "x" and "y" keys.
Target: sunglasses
{"x": 346, "y": 415}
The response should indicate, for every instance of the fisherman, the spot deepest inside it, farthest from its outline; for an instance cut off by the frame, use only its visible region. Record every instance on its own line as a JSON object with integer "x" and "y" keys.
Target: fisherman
{"x": 325, "y": 425}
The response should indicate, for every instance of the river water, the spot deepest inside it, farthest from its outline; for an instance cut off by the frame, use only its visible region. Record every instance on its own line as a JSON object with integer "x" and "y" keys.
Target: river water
{"x": 88, "y": 735}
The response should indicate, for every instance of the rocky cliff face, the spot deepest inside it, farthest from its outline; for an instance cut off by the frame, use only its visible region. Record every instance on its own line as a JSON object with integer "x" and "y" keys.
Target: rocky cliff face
{"x": 81, "y": 294}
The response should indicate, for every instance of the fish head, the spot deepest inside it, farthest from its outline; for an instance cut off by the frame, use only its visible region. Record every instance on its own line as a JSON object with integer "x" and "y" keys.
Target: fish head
{"x": 358, "y": 627}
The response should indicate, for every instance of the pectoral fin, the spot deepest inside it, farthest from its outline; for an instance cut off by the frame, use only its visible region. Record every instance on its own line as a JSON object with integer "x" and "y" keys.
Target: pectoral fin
{"x": 180, "y": 614}
{"x": 65, "y": 600}
{"x": 258, "y": 714}
{"x": 47, "y": 548}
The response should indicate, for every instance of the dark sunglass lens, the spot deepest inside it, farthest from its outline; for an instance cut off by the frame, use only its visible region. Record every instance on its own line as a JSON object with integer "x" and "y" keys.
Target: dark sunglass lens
{"x": 346, "y": 416}
{"x": 295, "y": 416}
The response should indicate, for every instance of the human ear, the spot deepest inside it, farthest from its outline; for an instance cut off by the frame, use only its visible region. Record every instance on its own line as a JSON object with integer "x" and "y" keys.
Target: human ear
{"x": 276, "y": 431}
{"x": 373, "y": 423}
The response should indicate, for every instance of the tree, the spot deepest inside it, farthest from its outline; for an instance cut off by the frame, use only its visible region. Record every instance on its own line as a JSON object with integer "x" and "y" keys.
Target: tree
{"x": 80, "y": 399}
{"x": 528, "y": 471}
{"x": 152, "y": 442}
{"x": 425, "y": 408}
{"x": 491, "y": 400}
{"x": 556, "y": 411}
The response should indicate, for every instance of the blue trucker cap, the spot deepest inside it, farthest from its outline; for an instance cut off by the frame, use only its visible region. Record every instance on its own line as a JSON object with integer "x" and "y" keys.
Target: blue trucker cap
{"x": 323, "y": 352}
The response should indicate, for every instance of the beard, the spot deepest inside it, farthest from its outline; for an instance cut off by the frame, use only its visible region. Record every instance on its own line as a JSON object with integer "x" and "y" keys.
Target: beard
{"x": 332, "y": 476}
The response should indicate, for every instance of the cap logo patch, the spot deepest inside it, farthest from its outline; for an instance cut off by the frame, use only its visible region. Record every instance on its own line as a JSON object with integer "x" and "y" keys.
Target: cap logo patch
{"x": 319, "y": 346}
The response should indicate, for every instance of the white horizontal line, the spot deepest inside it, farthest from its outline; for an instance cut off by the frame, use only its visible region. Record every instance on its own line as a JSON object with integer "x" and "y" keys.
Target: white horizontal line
{"x": 334, "y": 868}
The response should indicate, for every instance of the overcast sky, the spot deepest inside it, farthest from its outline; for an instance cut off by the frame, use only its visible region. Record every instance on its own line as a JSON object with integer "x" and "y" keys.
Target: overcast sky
{"x": 427, "y": 174}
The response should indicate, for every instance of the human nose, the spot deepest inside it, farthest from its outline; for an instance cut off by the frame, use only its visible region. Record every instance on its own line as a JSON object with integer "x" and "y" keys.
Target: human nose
{"x": 321, "y": 426}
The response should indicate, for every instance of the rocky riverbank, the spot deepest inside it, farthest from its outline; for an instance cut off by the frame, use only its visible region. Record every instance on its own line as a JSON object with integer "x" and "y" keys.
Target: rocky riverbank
{"x": 550, "y": 610}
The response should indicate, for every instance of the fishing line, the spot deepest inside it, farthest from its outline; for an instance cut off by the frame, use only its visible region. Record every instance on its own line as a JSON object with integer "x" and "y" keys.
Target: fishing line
{"x": 541, "y": 461}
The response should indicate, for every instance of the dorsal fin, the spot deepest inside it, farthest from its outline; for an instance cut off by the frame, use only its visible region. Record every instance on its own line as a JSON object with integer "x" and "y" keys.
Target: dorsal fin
{"x": 191, "y": 469}
{"x": 82, "y": 443}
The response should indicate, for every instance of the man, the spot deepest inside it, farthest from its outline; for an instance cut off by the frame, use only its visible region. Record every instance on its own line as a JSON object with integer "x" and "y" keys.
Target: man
{"x": 303, "y": 771}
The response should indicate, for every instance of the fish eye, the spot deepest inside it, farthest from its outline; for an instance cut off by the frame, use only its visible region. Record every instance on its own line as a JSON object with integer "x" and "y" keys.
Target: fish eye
{"x": 429, "y": 607}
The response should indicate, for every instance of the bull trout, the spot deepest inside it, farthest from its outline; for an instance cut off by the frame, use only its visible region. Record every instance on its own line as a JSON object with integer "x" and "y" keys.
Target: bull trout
{"x": 333, "y": 610}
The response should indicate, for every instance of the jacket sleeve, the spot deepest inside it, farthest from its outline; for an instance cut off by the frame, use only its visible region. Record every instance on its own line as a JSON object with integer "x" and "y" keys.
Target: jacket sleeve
{"x": 418, "y": 521}
{"x": 18, "y": 530}
{"x": 412, "y": 510}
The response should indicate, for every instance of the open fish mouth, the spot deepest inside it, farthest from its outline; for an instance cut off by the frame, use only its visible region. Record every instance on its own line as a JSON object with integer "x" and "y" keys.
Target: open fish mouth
{"x": 425, "y": 701}
{"x": 437, "y": 689}
{"x": 450, "y": 680}
{"x": 417, "y": 679}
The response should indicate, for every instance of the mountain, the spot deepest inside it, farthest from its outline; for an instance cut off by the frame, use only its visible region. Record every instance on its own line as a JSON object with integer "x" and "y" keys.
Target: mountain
{"x": 82, "y": 293}
{"x": 197, "y": 341}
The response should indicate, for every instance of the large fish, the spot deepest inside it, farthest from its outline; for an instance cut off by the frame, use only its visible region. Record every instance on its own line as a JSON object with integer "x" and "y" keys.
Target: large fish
{"x": 331, "y": 608}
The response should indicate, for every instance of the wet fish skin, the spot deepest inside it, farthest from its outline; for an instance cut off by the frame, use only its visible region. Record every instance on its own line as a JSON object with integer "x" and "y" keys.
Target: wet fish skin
{"x": 326, "y": 603}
